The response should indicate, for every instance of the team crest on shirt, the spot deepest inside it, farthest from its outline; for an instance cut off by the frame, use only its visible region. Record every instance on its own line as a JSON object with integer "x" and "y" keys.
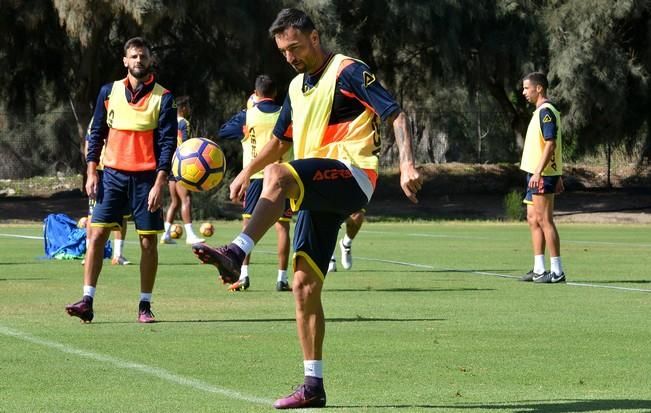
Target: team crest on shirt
{"x": 547, "y": 119}
{"x": 369, "y": 78}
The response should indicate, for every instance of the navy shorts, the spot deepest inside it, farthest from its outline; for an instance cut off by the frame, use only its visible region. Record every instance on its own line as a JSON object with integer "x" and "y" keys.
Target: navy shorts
{"x": 549, "y": 187}
{"x": 118, "y": 191}
{"x": 251, "y": 200}
{"x": 91, "y": 202}
{"x": 328, "y": 195}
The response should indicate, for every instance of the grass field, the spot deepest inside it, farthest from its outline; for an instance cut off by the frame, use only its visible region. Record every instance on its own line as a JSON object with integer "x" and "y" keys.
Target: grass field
{"x": 430, "y": 318}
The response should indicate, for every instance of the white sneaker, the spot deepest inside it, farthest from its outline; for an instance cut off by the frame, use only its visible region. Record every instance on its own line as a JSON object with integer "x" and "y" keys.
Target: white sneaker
{"x": 193, "y": 240}
{"x": 346, "y": 255}
{"x": 332, "y": 267}
{"x": 167, "y": 240}
{"x": 120, "y": 261}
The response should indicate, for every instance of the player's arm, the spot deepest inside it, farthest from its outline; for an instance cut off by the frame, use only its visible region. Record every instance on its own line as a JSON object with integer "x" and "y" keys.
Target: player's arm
{"x": 270, "y": 153}
{"x": 98, "y": 131}
{"x": 548, "y": 128}
{"x": 234, "y": 127}
{"x": 410, "y": 180}
{"x": 357, "y": 80}
{"x": 167, "y": 137}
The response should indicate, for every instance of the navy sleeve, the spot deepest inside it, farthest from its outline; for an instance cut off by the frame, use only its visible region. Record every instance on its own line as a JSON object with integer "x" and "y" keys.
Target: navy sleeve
{"x": 234, "y": 127}
{"x": 358, "y": 79}
{"x": 167, "y": 133}
{"x": 548, "y": 124}
{"x": 282, "y": 130}
{"x": 98, "y": 129}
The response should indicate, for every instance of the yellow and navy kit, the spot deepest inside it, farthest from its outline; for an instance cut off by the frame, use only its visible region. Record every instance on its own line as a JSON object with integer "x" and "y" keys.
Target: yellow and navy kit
{"x": 183, "y": 131}
{"x": 345, "y": 102}
{"x": 139, "y": 126}
{"x": 545, "y": 125}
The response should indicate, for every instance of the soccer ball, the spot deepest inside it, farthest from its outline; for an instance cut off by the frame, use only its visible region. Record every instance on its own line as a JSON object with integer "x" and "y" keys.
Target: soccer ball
{"x": 198, "y": 164}
{"x": 82, "y": 222}
{"x": 176, "y": 231}
{"x": 207, "y": 229}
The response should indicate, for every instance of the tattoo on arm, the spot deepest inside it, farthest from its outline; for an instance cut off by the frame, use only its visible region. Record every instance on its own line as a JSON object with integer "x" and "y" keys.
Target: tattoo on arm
{"x": 403, "y": 138}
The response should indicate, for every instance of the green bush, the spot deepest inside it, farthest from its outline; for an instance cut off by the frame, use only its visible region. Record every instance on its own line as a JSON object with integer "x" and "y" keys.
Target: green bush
{"x": 513, "y": 207}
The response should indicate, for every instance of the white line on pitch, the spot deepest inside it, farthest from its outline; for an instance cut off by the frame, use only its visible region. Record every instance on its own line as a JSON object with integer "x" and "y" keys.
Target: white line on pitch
{"x": 142, "y": 368}
{"x": 494, "y": 274}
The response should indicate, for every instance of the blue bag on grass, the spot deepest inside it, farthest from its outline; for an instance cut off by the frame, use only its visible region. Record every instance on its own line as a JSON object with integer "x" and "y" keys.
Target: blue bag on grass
{"x": 64, "y": 241}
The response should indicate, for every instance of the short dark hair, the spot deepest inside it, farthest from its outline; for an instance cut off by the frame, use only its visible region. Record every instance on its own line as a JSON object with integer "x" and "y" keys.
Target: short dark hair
{"x": 183, "y": 101}
{"x": 138, "y": 42}
{"x": 265, "y": 86}
{"x": 537, "y": 78}
{"x": 287, "y": 18}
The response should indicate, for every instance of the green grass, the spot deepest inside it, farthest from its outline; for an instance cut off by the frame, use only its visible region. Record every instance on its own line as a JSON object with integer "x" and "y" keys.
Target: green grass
{"x": 428, "y": 319}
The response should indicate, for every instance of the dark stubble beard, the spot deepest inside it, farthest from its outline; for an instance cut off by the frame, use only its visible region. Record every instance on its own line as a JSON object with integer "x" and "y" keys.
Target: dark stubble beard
{"x": 140, "y": 74}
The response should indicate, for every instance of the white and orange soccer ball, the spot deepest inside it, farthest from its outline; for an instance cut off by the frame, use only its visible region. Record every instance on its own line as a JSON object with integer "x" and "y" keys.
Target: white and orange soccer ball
{"x": 198, "y": 164}
{"x": 207, "y": 229}
{"x": 176, "y": 231}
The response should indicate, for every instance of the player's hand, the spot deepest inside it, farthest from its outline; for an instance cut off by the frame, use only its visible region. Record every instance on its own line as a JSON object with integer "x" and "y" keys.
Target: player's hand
{"x": 410, "y": 181}
{"x": 91, "y": 184}
{"x": 560, "y": 186}
{"x": 536, "y": 182}
{"x": 155, "y": 198}
{"x": 238, "y": 187}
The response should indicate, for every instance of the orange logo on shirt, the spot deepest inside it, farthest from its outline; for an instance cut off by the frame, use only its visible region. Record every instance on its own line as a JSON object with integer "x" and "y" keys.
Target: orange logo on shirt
{"x": 332, "y": 174}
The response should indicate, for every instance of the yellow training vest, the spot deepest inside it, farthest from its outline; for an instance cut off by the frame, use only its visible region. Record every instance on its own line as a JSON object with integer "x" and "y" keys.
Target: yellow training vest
{"x": 534, "y": 144}
{"x": 356, "y": 142}
{"x": 258, "y": 132}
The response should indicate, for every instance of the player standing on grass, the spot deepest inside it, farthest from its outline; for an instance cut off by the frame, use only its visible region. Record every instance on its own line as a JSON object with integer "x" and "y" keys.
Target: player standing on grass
{"x": 180, "y": 196}
{"x": 353, "y": 225}
{"x": 137, "y": 118}
{"x": 332, "y": 107}
{"x": 254, "y": 127}
{"x": 542, "y": 159}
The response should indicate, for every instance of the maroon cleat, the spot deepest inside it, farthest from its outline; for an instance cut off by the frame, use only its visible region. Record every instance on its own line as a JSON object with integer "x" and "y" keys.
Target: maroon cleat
{"x": 227, "y": 262}
{"x": 304, "y": 397}
{"x": 82, "y": 309}
{"x": 145, "y": 314}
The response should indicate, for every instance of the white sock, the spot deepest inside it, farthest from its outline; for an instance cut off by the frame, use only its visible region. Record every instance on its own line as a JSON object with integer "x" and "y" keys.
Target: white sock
{"x": 244, "y": 272}
{"x": 189, "y": 233}
{"x": 333, "y": 259}
{"x": 167, "y": 226}
{"x": 347, "y": 241}
{"x": 117, "y": 249}
{"x": 539, "y": 264}
{"x": 244, "y": 242}
{"x": 282, "y": 275}
{"x": 313, "y": 368}
{"x": 145, "y": 297}
{"x": 89, "y": 290}
{"x": 556, "y": 265}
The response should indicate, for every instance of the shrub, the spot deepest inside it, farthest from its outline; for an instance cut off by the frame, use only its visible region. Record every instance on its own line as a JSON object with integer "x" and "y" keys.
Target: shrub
{"x": 513, "y": 207}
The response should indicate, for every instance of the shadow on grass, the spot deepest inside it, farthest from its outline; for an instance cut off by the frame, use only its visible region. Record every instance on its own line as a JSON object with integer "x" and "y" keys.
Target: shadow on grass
{"x": 559, "y": 406}
{"x": 358, "y": 319}
{"x": 621, "y": 282}
{"x": 403, "y": 290}
{"x": 23, "y": 279}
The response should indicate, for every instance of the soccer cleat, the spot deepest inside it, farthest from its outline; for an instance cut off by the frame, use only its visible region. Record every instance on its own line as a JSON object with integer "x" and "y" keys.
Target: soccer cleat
{"x": 303, "y": 397}
{"x": 120, "y": 261}
{"x": 227, "y": 262}
{"x": 283, "y": 286}
{"x": 166, "y": 239}
{"x": 332, "y": 266}
{"x": 346, "y": 255}
{"x": 240, "y": 285}
{"x": 531, "y": 275}
{"x": 82, "y": 309}
{"x": 145, "y": 315}
{"x": 193, "y": 240}
{"x": 550, "y": 278}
